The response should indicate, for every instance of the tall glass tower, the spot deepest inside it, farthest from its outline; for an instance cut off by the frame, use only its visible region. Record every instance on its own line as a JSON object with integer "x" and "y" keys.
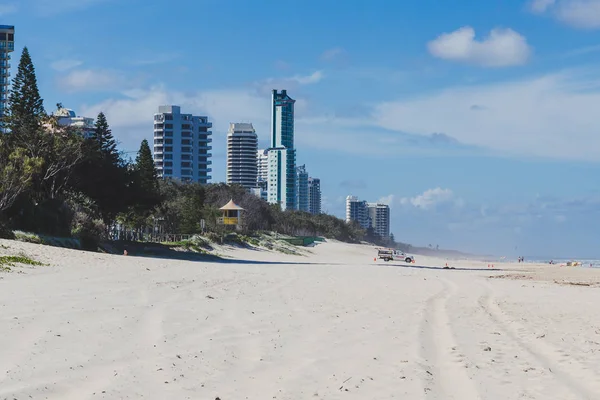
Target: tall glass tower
{"x": 7, "y": 46}
{"x": 282, "y": 155}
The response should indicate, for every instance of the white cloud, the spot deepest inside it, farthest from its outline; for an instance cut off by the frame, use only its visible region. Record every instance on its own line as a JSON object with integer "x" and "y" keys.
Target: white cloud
{"x": 502, "y": 48}
{"x": 333, "y": 54}
{"x": 315, "y": 77}
{"x": 429, "y": 199}
{"x": 290, "y": 83}
{"x": 6, "y": 9}
{"x": 92, "y": 80}
{"x": 389, "y": 200}
{"x": 540, "y": 6}
{"x": 66, "y": 64}
{"x": 130, "y": 115}
{"x": 584, "y": 14}
{"x": 548, "y": 116}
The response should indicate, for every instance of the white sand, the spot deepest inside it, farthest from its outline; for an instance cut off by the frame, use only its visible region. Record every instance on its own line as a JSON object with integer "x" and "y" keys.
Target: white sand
{"x": 335, "y": 325}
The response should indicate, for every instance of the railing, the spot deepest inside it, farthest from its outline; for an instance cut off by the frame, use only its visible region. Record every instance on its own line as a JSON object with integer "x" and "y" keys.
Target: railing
{"x": 227, "y": 220}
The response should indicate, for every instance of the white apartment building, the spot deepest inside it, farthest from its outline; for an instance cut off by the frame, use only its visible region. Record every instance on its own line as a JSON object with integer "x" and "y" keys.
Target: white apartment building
{"x": 242, "y": 145}
{"x": 67, "y": 117}
{"x": 379, "y": 214}
{"x": 262, "y": 160}
{"x": 278, "y": 177}
{"x": 181, "y": 145}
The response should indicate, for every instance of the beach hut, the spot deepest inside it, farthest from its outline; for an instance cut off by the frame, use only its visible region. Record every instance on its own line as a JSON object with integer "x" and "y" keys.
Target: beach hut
{"x": 232, "y": 214}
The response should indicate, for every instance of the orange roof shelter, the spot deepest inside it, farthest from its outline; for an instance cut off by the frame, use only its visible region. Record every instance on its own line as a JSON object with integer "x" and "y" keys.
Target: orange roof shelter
{"x": 232, "y": 214}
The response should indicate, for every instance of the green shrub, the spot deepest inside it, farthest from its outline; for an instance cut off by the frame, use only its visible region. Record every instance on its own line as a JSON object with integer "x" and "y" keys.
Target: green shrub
{"x": 88, "y": 231}
{"x": 5, "y": 232}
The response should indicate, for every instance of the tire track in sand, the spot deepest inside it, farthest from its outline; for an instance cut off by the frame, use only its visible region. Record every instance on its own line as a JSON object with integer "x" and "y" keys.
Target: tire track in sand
{"x": 446, "y": 375}
{"x": 575, "y": 377}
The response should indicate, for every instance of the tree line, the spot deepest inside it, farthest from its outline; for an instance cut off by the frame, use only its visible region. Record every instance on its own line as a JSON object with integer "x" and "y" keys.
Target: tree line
{"x": 55, "y": 180}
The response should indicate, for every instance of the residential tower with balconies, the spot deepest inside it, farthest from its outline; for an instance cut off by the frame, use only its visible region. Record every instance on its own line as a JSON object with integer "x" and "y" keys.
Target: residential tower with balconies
{"x": 182, "y": 145}
{"x": 242, "y": 147}
{"x": 7, "y": 46}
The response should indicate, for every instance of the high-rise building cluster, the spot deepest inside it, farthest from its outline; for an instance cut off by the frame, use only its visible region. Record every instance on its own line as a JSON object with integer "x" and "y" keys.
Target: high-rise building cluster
{"x": 272, "y": 173}
{"x": 182, "y": 151}
{"x": 375, "y": 216}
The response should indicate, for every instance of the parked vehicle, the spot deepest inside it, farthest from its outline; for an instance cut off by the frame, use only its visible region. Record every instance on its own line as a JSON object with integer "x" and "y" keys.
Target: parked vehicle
{"x": 391, "y": 255}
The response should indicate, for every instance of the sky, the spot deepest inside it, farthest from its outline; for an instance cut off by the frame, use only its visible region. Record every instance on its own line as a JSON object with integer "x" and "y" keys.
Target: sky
{"x": 476, "y": 121}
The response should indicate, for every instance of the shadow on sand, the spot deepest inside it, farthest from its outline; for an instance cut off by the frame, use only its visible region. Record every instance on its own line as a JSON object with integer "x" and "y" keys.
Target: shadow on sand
{"x": 443, "y": 268}
{"x": 168, "y": 253}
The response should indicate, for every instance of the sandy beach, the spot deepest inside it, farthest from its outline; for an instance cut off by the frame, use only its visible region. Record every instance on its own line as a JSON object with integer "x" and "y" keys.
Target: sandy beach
{"x": 333, "y": 324}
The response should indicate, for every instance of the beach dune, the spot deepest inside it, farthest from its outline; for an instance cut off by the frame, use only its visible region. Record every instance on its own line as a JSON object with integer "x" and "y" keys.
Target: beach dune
{"x": 333, "y": 324}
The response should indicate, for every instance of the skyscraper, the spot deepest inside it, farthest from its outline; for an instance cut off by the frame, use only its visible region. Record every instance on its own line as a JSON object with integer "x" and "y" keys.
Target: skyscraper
{"x": 281, "y": 187}
{"x": 314, "y": 195}
{"x": 7, "y": 46}
{"x": 262, "y": 161}
{"x": 242, "y": 145}
{"x": 379, "y": 214}
{"x": 357, "y": 211}
{"x": 302, "y": 188}
{"x": 181, "y": 147}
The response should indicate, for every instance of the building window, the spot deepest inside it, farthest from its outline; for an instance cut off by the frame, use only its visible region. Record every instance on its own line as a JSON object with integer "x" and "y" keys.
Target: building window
{"x": 168, "y": 126}
{"x": 168, "y": 141}
{"x": 169, "y": 117}
{"x": 168, "y": 163}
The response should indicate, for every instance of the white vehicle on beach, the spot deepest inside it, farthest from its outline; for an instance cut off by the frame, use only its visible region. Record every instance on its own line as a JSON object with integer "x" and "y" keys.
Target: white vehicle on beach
{"x": 392, "y": 254}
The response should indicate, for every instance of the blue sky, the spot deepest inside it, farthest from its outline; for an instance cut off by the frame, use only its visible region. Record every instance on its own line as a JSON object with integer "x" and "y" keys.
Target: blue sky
{"x": 477, "y": 121}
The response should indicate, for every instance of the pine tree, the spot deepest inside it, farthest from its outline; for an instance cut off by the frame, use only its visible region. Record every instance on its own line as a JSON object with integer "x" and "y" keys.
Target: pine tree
{"x": 147, "y": 196}
{"x": 25, "y": 106}
{"x": 144, "y": 164}
{"x": 105, "y": 142}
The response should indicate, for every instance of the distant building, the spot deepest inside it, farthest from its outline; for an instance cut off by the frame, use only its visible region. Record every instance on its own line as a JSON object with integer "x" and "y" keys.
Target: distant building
{"x": 67, "y": 117}
{"x": 242, "y": 145}
{"x": 302, "y": 188}
{"x": 357, "y": 211}
{"x": 181, "y": 145}
{"x": 369, "y": 215}
{"x": 7, "y": 46}
{"x": 262, "y": 163}
{"x": 262, "y": 160}
{"x": 379, "y": 215}
{"x": 314, "y": 195}
{"x": 281, "y": 158}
